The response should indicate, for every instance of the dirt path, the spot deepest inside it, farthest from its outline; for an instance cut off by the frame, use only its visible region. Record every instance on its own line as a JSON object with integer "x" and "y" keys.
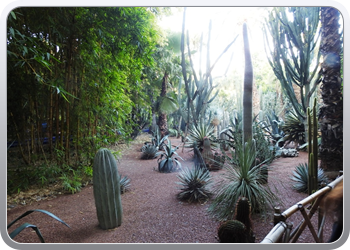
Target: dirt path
{"x": 151, "y": 212}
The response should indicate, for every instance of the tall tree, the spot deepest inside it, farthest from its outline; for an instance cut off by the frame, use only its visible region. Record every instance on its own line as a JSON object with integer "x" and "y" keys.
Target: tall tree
{"x": 331, "y": 112}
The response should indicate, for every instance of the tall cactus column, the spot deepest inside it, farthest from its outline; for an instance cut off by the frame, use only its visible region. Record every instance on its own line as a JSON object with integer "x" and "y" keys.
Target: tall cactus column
{"x": 313, "y": 149}
{"x": 248, "y": 90}
{"x": 107, "y": 190}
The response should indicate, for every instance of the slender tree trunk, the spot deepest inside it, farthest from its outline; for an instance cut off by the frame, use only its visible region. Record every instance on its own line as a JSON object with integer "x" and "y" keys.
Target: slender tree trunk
{"x": 331, "y": 112}
{"x": 162, "y": 121}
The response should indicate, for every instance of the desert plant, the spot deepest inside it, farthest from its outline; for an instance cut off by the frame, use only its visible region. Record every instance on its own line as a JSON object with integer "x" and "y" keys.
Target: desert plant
{"x": 157, "y": 139}
{"x": 242, "y": 214}
{"x": 312, "y": 148}
{"x": 124, "y": 184}
{"x": 149, "y": 151}
{"x": 232, "y": 231}
{"x": 247, "y": 89}
{"x": 194, "y": 184}
{"x": 272, "y": 125}
{"x": 294, "y": 128}
{"x": 173, "y": 132}
{"x": 35, "y": 228}
{"x": 107, "y": 190}
{"x": 300, "y": 178}
{"x": 197, "y": 134}
{"x": 167, "y": 162}
{"x": 239, "y": 180}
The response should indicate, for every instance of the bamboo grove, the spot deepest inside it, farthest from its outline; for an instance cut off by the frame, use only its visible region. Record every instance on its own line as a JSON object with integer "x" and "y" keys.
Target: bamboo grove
{"x": 74, "y": 79}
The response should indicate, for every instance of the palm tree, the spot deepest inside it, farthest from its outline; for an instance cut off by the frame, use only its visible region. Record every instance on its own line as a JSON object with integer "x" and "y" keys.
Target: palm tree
{"x": 331, "y": 113}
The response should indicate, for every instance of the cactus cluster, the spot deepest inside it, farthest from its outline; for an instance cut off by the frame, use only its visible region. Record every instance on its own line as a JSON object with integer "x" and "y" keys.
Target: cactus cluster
{"x": 107, "y": 190}
{"x": 240, "y": 229}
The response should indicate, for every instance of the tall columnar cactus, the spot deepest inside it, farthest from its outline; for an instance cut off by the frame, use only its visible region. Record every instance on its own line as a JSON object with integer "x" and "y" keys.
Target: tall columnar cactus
{"x": 107, "y": 190}
{"x": 248, "y": 89}
{"x": 312, "y": 149}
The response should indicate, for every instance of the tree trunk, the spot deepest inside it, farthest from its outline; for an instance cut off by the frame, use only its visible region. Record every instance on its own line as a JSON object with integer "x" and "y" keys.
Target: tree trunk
{"x": 162, "y": 121}
{"x": 331, "y": 112}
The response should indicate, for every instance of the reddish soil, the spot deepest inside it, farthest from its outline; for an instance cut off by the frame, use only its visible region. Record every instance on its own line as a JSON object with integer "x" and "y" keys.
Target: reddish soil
{"x": 151, "y": 212}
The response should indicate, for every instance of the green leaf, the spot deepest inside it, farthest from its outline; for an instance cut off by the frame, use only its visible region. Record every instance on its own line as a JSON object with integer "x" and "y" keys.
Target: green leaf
{"x": 13, "y": 15}
{"x": 37, "y": 210}
{"x": 24, "y": 226}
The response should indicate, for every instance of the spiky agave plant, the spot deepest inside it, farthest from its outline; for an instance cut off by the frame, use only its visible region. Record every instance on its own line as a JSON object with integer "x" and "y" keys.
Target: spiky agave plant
{"x": 244, "y": 180}
{"x": 167, "y": 162}
{"x": 124, "y": 184}
{"x": 35, "y": 228}
{"x": 195, "y": 185}
{"x": 300, "y": 177}
{"x": 149, "y": 151}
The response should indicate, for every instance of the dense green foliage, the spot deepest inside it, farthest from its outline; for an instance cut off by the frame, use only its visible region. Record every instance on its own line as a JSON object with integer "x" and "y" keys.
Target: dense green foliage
{"x": 75, "y": 81}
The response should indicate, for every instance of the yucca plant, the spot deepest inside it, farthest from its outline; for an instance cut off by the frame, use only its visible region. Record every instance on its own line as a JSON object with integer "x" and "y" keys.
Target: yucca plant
{"x": 300, "y": 178}
{"x": 149, "y": 151}
{"x": 244, "y": 180}
{"x": 194, "y": 185}
{"x": 167, "y": 162}
{"x": 35, "y": 228}
{"x": 198, "y": 133}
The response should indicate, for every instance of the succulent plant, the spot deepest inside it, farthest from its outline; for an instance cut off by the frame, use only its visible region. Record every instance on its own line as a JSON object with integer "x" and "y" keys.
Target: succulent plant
{"x": 35, "y": 228}
{"x": 232, "y": 231}
{"x": 242, "y": 214}
{"x": 194, "y": 183}
{"x": 300, "y": 177}
{"x": 294, "y": 128}
{"x": 218, "y": 163}
{"x": 107, "y": 190}
{"x": 239, "y": 180}
{"x": 149, "y": 151}
{"x": 198, "y": 133}
{"x": 124, "y": 184}
{"x": 166, "y": 162}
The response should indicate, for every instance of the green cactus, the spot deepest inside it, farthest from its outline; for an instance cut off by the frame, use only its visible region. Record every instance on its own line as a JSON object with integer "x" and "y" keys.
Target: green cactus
{"x": 248, "y": 90}
{"x": 242, "y": 214}
{"x": 232, "y": 231}
{"x": 312, "y": 149}
{"x": 107, "y": 190}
